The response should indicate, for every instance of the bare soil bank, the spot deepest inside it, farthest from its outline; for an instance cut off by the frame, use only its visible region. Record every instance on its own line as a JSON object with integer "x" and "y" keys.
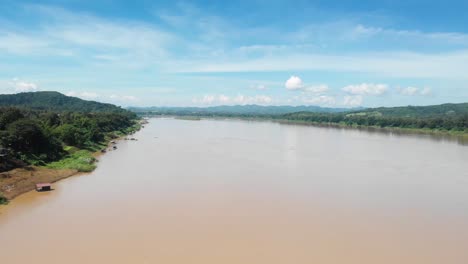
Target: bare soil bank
{"x": 21, "y": 180}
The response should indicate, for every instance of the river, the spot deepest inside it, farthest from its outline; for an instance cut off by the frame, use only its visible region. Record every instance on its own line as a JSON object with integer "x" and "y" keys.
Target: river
{"x": 227, "y": 191}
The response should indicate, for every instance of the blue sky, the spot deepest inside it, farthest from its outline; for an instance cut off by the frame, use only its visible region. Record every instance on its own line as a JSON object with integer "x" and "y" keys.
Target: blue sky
{"x": 203, "y": 53}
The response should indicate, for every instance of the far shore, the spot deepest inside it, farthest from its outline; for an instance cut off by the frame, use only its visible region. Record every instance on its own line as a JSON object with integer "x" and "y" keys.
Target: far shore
{"x": 459, "y": 136}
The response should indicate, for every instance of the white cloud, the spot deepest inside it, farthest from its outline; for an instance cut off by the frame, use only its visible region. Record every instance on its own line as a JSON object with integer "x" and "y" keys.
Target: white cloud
{"x": 294, "y": 83}
{"x": 322, "y": 100}
{"x": 353, "y": 101}
{"x": 237, "y": 100}
{"x": 260, "y": 87}
{"x": 426, "y": 91}
{"x": 410, "y": 35}
{"x": 89, "y": 95}
{"x": 125, "y": 98}
{"x": 224, "y": 99}
{"x": 23, "y": 86}
{"x": 208, "y": 99}
{"x": 363, "y": 30}
{"x": 318, "y": 89}
{"x": 127, "y": 43}
{"x": 366, "y": 89}
{"x": 257, "y": 99}
{"x": 413, "y": 91}
{"x": 449, "y": 65}
{"x": 83, "y": 95}
{"x": 88, "y": 38}
{"x": 409, "y": 90}
{"x": 17, "y": 43}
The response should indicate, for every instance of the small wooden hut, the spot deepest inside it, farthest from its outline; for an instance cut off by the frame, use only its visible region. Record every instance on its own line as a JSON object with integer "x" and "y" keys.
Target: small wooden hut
{"x": 42, "y": 187}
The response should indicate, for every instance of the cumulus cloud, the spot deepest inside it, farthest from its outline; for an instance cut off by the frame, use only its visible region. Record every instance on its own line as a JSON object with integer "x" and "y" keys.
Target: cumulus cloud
{"x": 366, "y": 89}
{"x": 414, "y": 91}
{"x": 353, "y": 100}
{"x": 294, "y": 83}
{"x": 23, "y": 86}
{"x": 238, "y": 100}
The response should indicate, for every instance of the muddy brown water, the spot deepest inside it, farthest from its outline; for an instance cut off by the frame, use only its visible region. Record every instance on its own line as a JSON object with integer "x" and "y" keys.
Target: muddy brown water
{"x": 215, "y": 191}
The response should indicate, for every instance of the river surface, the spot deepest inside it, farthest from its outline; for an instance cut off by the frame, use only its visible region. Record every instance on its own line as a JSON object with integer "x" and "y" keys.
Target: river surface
{"x": 221, "y": 192}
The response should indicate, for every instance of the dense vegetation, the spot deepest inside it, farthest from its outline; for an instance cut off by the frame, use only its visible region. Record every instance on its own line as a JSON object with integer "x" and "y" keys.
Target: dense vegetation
{"x": 446, "y": 117}
{"x": 451, "y": 118}
{"x": 432, "y": 111}
{"x": 55, "y": 128}
{"x": 449, "y": 123}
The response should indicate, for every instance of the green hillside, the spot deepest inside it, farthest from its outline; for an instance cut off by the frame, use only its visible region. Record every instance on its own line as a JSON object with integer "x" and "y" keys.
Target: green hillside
{"x": 43, "y": 127}
{"x": 444, "y": 110}
{"x": 445, "y": 117}
{"x": 55, "y": 101}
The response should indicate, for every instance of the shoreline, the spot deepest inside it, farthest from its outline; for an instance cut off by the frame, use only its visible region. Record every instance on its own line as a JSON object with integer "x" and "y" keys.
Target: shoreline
{"x": 18, "y": 181}
{"x": 460, "y": 136}
{"x": 22, "y": 180}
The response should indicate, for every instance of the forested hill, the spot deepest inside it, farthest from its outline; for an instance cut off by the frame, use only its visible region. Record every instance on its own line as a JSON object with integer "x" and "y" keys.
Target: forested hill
{"x": 420, "y": 111}
{"x": 234, "y": 110}
{"x": 55, "y": 101}
{"x": 42, "y": 127}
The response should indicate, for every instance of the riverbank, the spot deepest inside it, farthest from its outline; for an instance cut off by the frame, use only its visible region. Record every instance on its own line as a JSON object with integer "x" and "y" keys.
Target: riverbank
{"x": 21, "y": 180}
{"x": 459, "y": 135}
{"x": 421, "y": 131}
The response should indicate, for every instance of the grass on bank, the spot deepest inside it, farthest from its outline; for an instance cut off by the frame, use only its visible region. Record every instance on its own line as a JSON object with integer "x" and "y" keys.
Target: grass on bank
{"x": 80, "y": 160}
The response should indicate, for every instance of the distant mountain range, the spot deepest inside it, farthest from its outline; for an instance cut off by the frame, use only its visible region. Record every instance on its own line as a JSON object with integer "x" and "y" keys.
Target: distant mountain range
{"x": 55, "y": 101}
{"x": 237, "y": 110}
{"x": 442, "y": 110}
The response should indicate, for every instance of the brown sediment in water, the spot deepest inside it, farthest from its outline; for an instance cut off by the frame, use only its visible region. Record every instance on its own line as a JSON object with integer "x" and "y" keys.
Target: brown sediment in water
{"x": 250, "y": 192}
{"x": 22, "y": 180}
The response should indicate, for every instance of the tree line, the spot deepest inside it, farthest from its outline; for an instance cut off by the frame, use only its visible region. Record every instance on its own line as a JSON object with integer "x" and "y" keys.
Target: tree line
{"x": 456, "y": 123}
{"x": 403, "y": 118}
{"x": 39, "y": 136}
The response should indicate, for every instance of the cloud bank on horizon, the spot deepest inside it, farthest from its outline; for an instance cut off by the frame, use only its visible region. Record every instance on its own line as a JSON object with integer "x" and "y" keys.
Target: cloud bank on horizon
{"x": 331, "y": 53}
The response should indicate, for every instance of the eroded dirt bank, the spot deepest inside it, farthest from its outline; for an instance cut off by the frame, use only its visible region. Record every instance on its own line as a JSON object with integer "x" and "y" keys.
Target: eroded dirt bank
{"x": 21, "y": 180}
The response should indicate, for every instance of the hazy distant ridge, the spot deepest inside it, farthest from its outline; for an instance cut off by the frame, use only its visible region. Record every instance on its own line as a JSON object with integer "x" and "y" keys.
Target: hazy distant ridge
{"x": 238, "y": 109}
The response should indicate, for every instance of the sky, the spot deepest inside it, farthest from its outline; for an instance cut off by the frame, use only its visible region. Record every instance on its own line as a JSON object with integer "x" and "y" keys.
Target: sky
{"x": 205, "y": 53}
